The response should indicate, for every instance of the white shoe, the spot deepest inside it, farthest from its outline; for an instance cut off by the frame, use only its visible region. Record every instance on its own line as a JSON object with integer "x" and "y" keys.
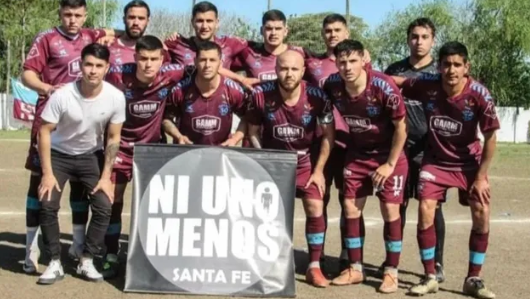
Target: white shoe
{"x": 53, "y": 273}
{"x": 75, "y": 251}
{"x": 88, "y": 271}
{"x": 31, "y": 262}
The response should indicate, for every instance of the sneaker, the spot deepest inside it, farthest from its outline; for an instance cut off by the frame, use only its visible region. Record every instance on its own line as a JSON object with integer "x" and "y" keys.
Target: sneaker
{"x": 31, "y": 262}
{"x": 390, "y": 281}
{"x": 316, "y": 278}
{"x": 427, "y": 285}
{"x": 87, "y": 270}
{"x": 440, "y": 274}
{"x": 53, "y": 273}
{"x": 75, "y": 251}
{"x": 110, "y": 266}
{"x": 474, "y": 286}
{"x": 353, "y": 275}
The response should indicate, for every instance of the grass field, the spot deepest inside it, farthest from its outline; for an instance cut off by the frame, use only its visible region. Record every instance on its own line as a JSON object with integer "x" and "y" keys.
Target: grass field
{"x": 505, "y": 267}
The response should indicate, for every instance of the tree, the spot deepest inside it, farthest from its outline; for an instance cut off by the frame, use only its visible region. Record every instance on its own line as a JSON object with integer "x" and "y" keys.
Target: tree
{"x": 305, "y": 31}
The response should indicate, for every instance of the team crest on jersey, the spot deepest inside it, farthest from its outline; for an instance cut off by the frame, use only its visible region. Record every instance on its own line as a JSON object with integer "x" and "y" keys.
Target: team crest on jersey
{"x": 128, "y": 94}
{"x": 257, "y": 64}
{"x": 271, "y": 116}
{"x": 467, "y": 114}
{"x": 224, "y": 109}
{"x": 317, "y": 71}
{"x": 306, "y": 119}
{"x": 372, "y": 111}
{"x": 430, "y": 106}
{"x": 188, "y": 106}
{"x": 162, "y": 94}
{"x": 187, "y": 56}
{"x": 288, "y": 132}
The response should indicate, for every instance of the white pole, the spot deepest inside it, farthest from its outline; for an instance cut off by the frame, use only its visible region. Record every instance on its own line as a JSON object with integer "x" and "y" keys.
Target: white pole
{"x": 104, "y": 13}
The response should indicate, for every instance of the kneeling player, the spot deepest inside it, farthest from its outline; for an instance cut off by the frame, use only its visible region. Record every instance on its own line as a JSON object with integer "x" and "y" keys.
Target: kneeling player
{"x": 204, "y": 103}
{"x": 146, "y": 85}
{"x": 455, "y": 106}
{"x": 372, "y": 106}
{"x": 288, "y": 110}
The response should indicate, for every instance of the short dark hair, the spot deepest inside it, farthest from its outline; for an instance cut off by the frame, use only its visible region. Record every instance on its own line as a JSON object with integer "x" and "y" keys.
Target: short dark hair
{"x": 452, "y": 48}
{"x": 347, "y": 47}
{"x": 148, "y": 43}
{"x": 273, "y": 15}
{"x": 72, "y": 3}
{"x": 422, "y": 22}
{"x": 207, "y": 46}
{"x": 333, "y": 18}
{"x": 136, "y": 3}
{"x": 202, "y": 7}
{"x": 97, "y": 50}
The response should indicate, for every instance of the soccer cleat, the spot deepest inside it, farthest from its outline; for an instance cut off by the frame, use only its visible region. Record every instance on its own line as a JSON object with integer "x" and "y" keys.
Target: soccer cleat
{"x": 75, "y": 251}
{"x": 427, "y": 285}
{"x": 390, "y": 281}
{"x": 353, "y": 275}
{"x": 440, "y": 274}
{"x": 88, "y": 271}
{"x": 31, "y": 262}
{"x": 315, "y": 277}
{"x": 110, "y": 266}
{"x": 53, "y": 273}
{"x": 474, "y": 286}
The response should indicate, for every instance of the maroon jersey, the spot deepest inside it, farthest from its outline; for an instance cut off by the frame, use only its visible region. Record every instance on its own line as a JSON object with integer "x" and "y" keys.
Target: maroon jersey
{"x": 120, "y": 54}
{"x": 258, "y": 63}
{"x": 182, "y": 51}
{"x": 145, "y": 105}
{"x": 56, "y": 57}
{"x": 289, "y": 127}
{"x": 452, "y": 134}
{"x": 369, "y": 116}
{"x": 206, "y": 120}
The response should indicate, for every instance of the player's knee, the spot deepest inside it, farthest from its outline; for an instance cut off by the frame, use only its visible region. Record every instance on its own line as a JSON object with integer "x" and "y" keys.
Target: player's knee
{"x": 426, "y": 213}
{"x": 390, "y": 211}
{"x": 351, "y": 210}
{"x": 313, "y": 207}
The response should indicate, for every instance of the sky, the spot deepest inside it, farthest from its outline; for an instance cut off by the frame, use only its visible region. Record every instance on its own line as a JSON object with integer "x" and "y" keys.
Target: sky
{"x": 372, "y": 12}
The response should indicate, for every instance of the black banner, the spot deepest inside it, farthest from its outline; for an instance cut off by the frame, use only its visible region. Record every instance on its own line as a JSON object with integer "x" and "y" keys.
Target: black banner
{"x": 212, "y": 220}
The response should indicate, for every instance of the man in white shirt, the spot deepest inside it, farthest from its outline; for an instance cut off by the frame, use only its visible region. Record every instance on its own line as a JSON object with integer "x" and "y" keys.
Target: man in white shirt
{"x": 70, "y": 143}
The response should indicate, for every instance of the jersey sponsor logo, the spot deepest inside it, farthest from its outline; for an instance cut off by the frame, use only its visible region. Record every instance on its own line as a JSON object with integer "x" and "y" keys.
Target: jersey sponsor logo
{"x": 358, "y": 124}
{"x": 224, "y": 109}
{"x": 288, "y": 132}
{"x": 206, "y": 124}
{"x": 144, "y": 109}
{"x": 268, "y": 76}
{"x": 74, "y": 68}
{"x": 427, "y": 176}
{"x": 446, "y": 126}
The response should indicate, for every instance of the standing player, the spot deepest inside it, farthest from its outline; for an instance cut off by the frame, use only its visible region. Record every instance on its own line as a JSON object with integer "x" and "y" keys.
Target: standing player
{"x": 205, "y": 21}
{"x": 70, "y": 145}
{"x": 204, "y": 103}
{"x": 146, "y": 85}
{"x": 288, "y": 109}
{"x": 54, "y": 60}
{"x": 372, "y": 106}
{"x": 455, "y": 105}
{"x": 420, "y": 38}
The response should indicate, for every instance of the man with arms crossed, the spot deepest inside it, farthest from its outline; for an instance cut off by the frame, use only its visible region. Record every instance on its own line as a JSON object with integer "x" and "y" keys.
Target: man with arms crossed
{"x": 288, "y": 109}
{"x": 204, "y": 103}
{"x": 70, "y": 145}
{"x": 146, "y": 85}
{"x": 372, "y": 106}
{"x": 420, "y": 39}
{"x": 455, "y": 105}
{"x": 54, "y": 60}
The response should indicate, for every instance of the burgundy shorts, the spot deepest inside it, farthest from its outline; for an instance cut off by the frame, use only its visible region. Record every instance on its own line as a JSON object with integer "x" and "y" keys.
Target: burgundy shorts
{"x": 334, "y": 169}
{"x": 435, "y": 181}
{"x": 122, "y": 170}
{"x": 303, "y": 174}
{"x": 358, "y": 181}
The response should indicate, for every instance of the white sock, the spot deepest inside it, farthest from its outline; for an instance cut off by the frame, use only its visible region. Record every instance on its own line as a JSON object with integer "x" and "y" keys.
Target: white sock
{"x": 79, "y": 232}
{"x": 314, "y": 265}
{"x": 32, "y": 238}
{"x": 344, "y": 254}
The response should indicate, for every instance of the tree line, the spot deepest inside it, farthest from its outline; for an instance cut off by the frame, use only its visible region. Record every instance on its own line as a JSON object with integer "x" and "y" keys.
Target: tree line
{"x": 495, "y": 32}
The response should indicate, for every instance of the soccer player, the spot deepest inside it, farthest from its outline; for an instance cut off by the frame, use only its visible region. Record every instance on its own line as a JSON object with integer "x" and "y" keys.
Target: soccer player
{"x": 289, "y": 110}
{"x": 54, "y": 60}
{"x": 71, "y": 145}
{"x": 372, "y": 106}
{"x": 455, "y": 105}
{"x": 258, "y": 60}
{"x": 204, "y": 103}
{"x": 146, "y": 85}
{"x": 205, "y": 21}
{"x": 420, "y": 39}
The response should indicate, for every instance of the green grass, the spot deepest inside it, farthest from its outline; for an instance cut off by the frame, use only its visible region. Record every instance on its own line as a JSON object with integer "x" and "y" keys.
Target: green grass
{"x": 18, "y": 134}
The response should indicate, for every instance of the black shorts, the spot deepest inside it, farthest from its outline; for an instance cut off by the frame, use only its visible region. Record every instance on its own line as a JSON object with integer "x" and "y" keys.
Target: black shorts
{"x": 414, "y": 152}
